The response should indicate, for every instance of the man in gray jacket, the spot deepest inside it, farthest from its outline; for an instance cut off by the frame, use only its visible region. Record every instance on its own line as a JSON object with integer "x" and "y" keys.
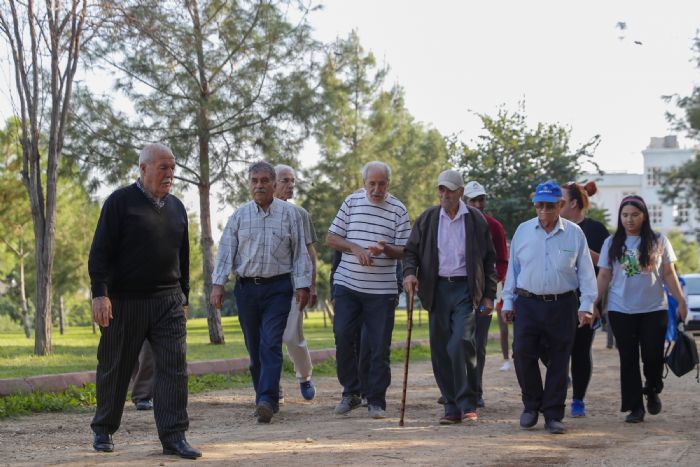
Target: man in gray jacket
{"x": 450, "y": 261}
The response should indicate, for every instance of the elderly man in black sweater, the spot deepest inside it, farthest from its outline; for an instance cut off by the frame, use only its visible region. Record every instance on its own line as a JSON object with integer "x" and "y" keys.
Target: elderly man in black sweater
{"x": 139, "y": 273}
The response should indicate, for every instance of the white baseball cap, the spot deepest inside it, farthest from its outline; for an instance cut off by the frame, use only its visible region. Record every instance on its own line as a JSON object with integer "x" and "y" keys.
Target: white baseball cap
{"x": 474, "y": 189}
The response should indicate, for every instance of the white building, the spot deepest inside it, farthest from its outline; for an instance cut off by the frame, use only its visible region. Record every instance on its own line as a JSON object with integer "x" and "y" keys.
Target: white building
{"x": 661, "y": 155}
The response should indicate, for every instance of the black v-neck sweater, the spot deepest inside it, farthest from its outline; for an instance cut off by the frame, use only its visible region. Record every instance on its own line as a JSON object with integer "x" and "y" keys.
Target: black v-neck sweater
{"x": 139, "y": 250}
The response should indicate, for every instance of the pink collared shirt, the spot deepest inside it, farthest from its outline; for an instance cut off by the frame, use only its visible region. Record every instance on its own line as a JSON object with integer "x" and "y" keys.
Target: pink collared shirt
{"x": 451, "y": 243}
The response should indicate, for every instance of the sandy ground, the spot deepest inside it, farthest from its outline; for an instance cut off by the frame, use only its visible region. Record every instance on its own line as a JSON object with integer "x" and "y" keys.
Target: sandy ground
{"x": 307, "y": 433}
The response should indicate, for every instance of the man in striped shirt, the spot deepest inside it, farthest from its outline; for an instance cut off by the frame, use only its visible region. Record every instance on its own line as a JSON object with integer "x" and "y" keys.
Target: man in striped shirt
{"x": 371, "y": 229}
{"x": 263, "y": 244}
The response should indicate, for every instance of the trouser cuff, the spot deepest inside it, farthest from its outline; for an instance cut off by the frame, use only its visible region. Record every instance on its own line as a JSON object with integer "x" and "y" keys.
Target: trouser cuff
{"x": 172, "y": 437}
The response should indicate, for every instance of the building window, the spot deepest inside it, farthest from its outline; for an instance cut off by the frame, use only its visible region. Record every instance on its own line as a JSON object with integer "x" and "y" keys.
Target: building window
{"x": 628, "y": 193}
{"x": 681, "y": 212}
{"x": 653, "y": 176}
{"x": 656, "y": 214}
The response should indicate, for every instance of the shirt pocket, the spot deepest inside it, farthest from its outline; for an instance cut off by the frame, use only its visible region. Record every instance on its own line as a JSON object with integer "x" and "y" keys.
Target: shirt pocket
{"x": 566, "y": 260}
{"x": 281, "y": 247}
{"x": 245, "y": 244}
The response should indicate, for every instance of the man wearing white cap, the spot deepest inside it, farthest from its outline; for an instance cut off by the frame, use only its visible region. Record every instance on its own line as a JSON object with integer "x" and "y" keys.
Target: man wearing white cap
{"x": 475, "y": 196}
{"x": 450, "y": 261}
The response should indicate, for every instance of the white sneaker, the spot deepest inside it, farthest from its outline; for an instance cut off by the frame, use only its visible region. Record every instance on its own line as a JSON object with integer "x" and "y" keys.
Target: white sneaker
{"x": 505, "y": 366}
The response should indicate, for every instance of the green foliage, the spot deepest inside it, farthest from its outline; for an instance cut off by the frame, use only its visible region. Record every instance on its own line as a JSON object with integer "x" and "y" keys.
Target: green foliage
{"x": 682, "y": 186}
{"x": 510, "y": 159}
{"x": 35, "y": 402}
{"x": 220, "y": 82}
{"x": 687, "y": 253}
{"x": 601, "y": 215}
{"x": 360, "y": 122}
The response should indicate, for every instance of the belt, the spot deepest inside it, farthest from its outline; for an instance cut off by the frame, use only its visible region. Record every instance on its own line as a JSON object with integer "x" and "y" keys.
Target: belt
{"x": 453, "y": 278}
{"x": 546, "y": 297}
{"x": 264, "y": 280}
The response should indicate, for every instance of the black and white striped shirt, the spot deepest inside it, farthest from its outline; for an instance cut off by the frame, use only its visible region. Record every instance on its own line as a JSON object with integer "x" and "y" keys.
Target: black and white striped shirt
{"x": 364, "y": 223}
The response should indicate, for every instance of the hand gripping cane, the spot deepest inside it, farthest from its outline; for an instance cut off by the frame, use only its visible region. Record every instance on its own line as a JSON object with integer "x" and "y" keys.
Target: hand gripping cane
{"x": 409, "y": 311}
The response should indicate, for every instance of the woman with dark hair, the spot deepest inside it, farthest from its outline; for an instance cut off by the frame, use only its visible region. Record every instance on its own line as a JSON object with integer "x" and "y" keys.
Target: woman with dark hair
{"x": 634, "y": 262}
{"x": 576, "y": 204}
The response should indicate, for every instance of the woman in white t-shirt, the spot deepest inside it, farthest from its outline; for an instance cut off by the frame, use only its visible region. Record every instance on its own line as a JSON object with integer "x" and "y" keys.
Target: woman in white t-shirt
{"x": 635, "y": 262}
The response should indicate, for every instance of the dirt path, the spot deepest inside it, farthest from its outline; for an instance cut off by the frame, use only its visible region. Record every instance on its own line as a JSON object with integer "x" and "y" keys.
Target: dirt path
{"x": 307, "y": 433}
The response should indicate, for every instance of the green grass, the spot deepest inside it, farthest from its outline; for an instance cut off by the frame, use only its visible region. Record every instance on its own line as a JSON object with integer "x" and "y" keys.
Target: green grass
{"x": 76, "y": 350}
{"x": 77, "y": 399}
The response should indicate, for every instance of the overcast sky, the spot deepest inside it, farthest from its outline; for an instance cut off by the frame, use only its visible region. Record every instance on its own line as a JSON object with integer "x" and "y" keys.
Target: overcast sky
{"x": 565, "y": 59}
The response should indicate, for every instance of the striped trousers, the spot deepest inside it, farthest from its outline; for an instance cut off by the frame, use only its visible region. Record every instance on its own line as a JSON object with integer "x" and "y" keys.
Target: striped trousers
{"x": 160, "y": 320}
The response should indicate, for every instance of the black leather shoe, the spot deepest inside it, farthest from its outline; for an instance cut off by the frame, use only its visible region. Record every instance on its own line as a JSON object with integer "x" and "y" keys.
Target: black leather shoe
{"x": 653, "y": 402}
{"x": 181, "y": 448}
{"x": 528, "y": 418}
{"x": 554, "y": 427}
{"x": 635, "y": 416}
{"x": 102, "y": 442}
{"x": 146, "y": 404}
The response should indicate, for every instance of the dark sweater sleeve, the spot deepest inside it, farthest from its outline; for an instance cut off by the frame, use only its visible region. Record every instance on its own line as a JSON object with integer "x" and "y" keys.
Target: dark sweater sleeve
{"x": 104, "y": 244}
{"x": 185, "y": 260}
{"x": 411, "y": 251}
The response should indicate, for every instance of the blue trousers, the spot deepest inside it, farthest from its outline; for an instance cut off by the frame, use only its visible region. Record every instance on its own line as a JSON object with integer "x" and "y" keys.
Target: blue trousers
{"x": 374, "y": 314}
{"x": 262, "y": 312}
{"x": 453, "y": 347}
{"x": 551, "y": 325}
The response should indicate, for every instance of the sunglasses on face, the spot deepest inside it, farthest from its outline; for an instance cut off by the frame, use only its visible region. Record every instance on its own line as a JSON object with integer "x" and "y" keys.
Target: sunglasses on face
{"x": 544, "y": 206}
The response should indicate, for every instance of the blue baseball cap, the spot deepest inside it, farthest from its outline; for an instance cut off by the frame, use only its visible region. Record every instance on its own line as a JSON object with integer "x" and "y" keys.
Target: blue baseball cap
{"x": 549, "y": 192}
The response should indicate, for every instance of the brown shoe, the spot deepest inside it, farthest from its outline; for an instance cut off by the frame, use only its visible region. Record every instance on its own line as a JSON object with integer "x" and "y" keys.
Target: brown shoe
{"x": 451, "y": 419}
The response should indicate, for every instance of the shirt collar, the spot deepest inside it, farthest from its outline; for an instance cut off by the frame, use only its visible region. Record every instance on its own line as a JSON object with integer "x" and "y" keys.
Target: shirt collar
{"x": 270, "y": 208}
{"x": 559, "y": 226}
{"x": 158, "y": 203}
{"x": 461, "y": 211}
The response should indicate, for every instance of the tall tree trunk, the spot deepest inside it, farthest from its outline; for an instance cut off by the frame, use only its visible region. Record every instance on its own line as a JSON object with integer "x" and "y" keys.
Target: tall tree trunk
{"x": 61, "y": 315}
{"x": 216, "y": 331}
{"x": 23, "y": 295}
{"x": 42, "y": 323}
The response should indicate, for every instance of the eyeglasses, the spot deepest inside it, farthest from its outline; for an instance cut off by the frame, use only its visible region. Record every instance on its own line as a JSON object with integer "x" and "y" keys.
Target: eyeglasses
{"x": 544, "y": 206}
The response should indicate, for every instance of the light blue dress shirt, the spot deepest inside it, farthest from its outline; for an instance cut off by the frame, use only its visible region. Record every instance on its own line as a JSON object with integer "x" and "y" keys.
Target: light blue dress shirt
{"x": 550, "y": 263}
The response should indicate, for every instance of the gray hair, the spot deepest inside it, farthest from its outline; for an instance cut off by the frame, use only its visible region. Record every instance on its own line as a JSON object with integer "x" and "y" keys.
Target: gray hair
{"x": 150, "y": 149}
{"x": 262, "y": 166}
{"x": 279, "y": 168}
{"x": 375, "y": 165}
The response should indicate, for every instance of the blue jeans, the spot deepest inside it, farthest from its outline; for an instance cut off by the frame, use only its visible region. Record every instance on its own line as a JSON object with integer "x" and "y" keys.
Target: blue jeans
{"x": 262, "y": 312}
{"x": 374, "y": 314}
{"x": 452, "y": 346}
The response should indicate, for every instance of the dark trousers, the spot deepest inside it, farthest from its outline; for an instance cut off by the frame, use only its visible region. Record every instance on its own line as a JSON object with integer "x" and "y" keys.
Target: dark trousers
{"x": 364, "y": 355}
{"x": 374, "y": 314}
{"x": 582, "y": 361}
{"x": 262, "y": 313}
{"x": 143, "y": 375}
{"x": 551, "y": 325}
{"x": 632, "y": 332}
{"x": 160, "y": 320}
{"x": 482, "y": 336}
{"x": 452, "y": 345}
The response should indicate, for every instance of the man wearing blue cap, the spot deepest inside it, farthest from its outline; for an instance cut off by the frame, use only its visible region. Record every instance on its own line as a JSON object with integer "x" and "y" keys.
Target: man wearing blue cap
{"x": 549, "y": 267}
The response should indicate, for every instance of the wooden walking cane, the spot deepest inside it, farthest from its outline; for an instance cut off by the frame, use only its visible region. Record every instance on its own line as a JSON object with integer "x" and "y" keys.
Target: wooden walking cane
{"x": 409, "y": 312}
